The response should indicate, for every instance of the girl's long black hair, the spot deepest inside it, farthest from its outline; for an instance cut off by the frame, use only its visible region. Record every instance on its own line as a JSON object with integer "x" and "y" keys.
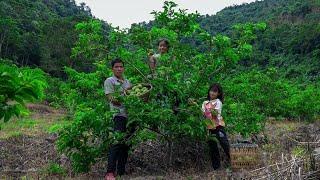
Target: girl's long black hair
{"x": 216, "y": 87}
{"x": 166, "y": 41}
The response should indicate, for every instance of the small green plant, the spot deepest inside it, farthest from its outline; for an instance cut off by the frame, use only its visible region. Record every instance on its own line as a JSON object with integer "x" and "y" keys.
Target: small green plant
{"x": 55, "y": 128}
{"x": 298, "y": 151}
{"x": 54, "y": 169}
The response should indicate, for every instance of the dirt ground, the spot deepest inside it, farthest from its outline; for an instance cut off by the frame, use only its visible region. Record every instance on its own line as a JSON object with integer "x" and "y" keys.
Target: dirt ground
{"x": 31, "y": 153}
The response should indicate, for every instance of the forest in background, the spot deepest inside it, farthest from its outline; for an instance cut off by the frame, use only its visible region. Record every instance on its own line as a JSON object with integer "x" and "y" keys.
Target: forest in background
{"x": 41, "y": 33}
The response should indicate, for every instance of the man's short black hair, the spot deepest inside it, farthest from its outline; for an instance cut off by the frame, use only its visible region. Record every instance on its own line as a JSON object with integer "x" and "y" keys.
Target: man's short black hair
{"x": 116, "y": 60}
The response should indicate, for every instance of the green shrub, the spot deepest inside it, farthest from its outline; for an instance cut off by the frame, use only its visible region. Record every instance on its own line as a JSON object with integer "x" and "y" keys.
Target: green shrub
{"x": 18, "y": 86}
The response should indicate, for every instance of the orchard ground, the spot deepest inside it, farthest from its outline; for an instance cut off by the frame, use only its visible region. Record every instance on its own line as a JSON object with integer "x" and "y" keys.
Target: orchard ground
{"x": 27, "y": 150}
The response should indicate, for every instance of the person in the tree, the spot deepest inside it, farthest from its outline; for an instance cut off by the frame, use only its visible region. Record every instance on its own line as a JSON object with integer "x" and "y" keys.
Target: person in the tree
{"x": 155, "y": 62}
{"x": 211, "y": 109}
{"x": 163, "y": 47}
{"x": 113, "y": 86}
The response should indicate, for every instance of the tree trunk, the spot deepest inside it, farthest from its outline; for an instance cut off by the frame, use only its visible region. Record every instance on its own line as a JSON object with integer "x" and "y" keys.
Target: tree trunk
{"x": 170, "y": 144}
{"x": 2, "y": 37}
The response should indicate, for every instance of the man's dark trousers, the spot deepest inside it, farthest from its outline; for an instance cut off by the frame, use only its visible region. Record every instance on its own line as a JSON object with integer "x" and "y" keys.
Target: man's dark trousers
{"x": 118, "y": 153}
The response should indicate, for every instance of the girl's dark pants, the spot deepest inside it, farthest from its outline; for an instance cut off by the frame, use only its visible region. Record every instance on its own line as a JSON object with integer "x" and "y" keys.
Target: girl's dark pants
{"x": 118, "y": 153}
{"x": 213, "y": 146}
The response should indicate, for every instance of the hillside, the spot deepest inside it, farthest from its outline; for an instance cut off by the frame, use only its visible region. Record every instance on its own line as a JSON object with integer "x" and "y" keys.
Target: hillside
{"x": 291, "y": 41}
{"x": 40, "y": 33}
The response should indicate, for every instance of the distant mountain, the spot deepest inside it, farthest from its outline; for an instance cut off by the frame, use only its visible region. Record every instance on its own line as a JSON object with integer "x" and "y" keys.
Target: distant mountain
{"x": 40, "y": 32}
{"x": 292, "y": 40}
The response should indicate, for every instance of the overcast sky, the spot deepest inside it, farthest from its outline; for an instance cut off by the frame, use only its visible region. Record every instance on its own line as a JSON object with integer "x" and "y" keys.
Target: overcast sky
{"x": 123, "y": 13}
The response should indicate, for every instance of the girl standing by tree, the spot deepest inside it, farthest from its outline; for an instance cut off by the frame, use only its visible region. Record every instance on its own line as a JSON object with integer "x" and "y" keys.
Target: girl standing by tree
{"x": 211, "y": 109}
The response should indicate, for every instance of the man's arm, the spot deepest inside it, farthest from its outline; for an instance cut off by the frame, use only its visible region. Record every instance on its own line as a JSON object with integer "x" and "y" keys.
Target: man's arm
{"x": 113, "y": 100}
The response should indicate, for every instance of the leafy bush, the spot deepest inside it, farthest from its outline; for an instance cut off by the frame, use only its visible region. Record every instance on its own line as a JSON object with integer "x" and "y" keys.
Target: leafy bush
{"x": 87, "y": 138}
{"x": 254, "y": 95}
{"x": 18, "y": 86}
{"x": 303, "y": 102}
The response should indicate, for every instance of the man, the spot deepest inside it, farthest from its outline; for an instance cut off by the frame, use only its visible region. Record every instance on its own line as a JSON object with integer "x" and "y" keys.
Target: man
{"x": 118, "y": 153}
